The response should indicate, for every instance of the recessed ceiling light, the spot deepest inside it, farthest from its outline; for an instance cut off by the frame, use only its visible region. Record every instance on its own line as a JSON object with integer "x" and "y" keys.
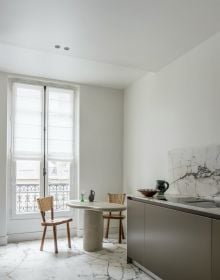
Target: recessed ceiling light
{"x": 57, "y": 46}
{"x": 66, "y": 48}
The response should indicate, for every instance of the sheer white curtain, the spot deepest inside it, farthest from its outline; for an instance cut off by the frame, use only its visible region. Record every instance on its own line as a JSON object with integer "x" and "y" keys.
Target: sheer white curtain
{"x": 28, "y": 108}
{"x": 60, "y": 143}
{"x": 43, "y": 137}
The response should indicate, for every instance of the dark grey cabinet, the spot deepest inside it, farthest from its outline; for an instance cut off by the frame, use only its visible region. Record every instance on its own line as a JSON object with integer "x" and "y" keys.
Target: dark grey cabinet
{"x": 177, "y": 244}
{"x": 215, "y": 249}
{"x": 135, "y": 231}
{"x": 173, "y": 244}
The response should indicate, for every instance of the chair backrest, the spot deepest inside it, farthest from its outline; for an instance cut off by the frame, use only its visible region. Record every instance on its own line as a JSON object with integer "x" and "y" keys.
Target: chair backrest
{"x": 116, "y": 198}
{"x": 45, "y": 204}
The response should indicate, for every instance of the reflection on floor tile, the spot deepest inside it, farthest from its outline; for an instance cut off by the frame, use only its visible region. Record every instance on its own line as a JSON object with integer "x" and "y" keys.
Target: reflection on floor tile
{"x": 23, "y": 261}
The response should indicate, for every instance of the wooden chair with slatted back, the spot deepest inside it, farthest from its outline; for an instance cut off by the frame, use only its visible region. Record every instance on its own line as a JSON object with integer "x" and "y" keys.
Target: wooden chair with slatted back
{"x": 120, "y": 199}
{"x": 46, "y": 204}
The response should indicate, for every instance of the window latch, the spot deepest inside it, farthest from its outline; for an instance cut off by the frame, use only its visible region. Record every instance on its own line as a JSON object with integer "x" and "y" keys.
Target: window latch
{"x": 44, "y": 171}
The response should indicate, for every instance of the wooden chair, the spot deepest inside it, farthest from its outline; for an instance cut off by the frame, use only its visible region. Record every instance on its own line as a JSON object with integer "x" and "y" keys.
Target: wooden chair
{"x": 46, "y": 204}
{"x": 120, "y": 199}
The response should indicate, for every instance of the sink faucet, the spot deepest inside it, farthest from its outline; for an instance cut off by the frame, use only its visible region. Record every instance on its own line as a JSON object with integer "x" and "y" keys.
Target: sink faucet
{"x": 216, "y": 194}
{"x": 216, "y": 198}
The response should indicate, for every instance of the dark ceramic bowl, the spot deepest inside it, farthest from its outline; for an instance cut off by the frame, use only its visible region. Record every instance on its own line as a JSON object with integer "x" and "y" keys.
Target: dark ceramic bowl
{"x": 148, "y": 192}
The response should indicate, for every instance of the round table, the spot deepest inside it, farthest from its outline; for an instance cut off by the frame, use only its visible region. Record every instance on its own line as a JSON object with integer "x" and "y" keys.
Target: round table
{"x": 93, "y": 221}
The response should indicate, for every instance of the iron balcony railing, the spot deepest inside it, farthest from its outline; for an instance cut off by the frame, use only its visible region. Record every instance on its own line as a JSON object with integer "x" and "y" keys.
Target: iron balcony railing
{"x": 27, "y": 194}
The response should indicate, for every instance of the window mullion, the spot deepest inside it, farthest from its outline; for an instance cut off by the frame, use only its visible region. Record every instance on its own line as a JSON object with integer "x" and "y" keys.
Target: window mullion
{"x": 42, "y": 148}
{"x": 45, "y": 145}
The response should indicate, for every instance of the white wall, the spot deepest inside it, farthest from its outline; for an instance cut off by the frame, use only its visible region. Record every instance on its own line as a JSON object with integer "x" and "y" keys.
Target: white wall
{"x": 176, "y": 107}
{"x": 3, "y": 158}
{"x": 101, "y": 137}
{"x": 100, "y": 161}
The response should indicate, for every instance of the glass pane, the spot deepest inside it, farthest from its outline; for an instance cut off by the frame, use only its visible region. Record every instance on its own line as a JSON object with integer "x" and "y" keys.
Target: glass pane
{"x": 28, "y": 119}
{"x": 61, "y": 101}
{"x": 60, "y": 122}
{"x": 59, "y": 183}
{"x": 25, "y": 94}
{"x": 27, "y": 186}
{"x": 61, "y": 148}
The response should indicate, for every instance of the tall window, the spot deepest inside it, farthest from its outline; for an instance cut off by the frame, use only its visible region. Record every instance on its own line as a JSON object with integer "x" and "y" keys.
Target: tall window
{"x": 42, "y": 145}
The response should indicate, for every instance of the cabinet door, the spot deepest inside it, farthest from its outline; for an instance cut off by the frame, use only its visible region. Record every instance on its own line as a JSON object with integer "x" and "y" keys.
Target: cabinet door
{"x": 177, "y": 244}
{"x": 135, "y": 230}
{"x": 215, "y": 249}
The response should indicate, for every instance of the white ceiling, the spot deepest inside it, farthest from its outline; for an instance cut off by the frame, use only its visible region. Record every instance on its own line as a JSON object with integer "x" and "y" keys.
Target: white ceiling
{"x": 112, "y": 42}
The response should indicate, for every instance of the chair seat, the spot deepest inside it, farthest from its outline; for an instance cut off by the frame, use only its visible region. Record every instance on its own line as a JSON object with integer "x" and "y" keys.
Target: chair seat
{"x": 46, "y": 204}
{"x": 113, "y": 216}
{"x": 118, "y": 198}
{"x": 57, "y": 221}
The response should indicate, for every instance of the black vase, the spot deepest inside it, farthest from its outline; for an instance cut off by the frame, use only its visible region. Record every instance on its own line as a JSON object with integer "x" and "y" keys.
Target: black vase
{"x": 162, "y": 186}
{"x": 91, "y": 196}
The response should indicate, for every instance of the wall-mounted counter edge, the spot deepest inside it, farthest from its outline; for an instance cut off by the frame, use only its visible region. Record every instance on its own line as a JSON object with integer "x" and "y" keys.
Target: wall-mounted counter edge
{"x": 213, "y": 213}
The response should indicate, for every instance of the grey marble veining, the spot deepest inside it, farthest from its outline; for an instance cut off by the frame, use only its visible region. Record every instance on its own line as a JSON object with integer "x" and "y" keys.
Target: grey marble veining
{"x": 23, "y": 261}
{"x": 195, "y": 171}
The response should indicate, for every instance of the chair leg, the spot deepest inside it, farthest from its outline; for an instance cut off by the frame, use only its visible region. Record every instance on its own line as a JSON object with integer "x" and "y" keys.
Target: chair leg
{"x": 43, "y": 237}
{"x": 120, "y": 231}
{"x": 55, "y": 239}
{"x": 107, "y": 228}
{"x": 68, "y": 235}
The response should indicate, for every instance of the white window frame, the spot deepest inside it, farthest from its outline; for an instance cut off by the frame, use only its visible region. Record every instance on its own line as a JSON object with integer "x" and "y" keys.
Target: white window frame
{"x": 74, "y": 186}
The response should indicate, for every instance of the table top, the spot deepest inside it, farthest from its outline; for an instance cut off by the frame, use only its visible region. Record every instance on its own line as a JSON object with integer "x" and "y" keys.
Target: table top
{"x": 96, "y": 205}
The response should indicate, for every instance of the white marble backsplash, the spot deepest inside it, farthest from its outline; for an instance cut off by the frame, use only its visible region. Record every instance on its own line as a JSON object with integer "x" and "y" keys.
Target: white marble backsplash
{"x": 195, "y": 171}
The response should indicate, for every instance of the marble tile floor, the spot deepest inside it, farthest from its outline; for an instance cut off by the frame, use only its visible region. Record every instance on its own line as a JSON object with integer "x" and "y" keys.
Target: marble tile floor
{"x": 24, "y": 261}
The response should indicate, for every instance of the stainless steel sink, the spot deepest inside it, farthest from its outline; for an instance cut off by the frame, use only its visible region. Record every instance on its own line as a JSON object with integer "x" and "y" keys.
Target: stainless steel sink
{"x": 194, "y": 201}
{"x": 202, "y": 203}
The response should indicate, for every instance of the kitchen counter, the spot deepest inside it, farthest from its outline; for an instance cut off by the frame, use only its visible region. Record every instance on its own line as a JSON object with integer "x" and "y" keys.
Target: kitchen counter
{"x": 172, "y": 239}
{"x": 177, "y": 202}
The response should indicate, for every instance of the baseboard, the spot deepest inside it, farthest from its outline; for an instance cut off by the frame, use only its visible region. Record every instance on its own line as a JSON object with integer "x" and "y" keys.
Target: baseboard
{"x": 3, "y": 240}
{"x": 79, "y": 232}
{"x": 37, "y": 235}
{"x": 151, "y": 274}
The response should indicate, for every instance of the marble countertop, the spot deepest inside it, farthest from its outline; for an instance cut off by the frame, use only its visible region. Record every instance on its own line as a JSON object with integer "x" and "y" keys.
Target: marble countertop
{"x": 174, "y": 202}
